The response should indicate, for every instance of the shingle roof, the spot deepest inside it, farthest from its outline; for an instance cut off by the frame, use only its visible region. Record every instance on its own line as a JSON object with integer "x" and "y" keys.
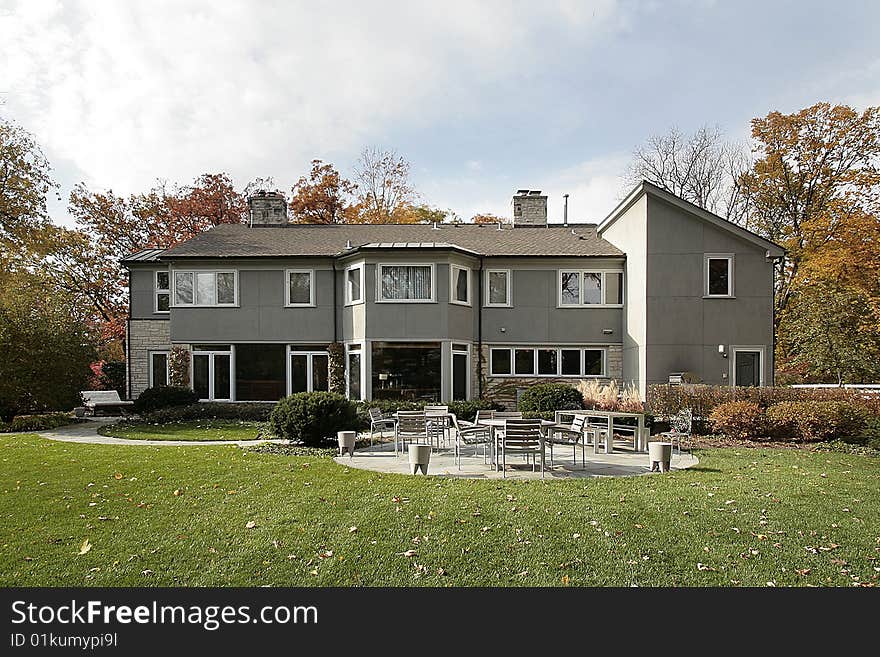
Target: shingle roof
{"x": 241, "y": 241}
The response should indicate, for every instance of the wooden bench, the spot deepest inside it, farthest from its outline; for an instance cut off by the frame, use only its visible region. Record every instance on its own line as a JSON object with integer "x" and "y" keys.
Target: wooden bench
{"x": 99, "y": 400}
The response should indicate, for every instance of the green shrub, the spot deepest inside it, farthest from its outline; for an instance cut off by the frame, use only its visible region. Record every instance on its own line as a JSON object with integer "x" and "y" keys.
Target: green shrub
{"x": 739, "y": 419}
{"x": 817, "y": 420}
{"x": 251, "y": 412}
{"x": 44, "y": 422}
{"x": 153, "y": 399}
{"x": 550, "y": 397}
{"x": 313, "y": 418}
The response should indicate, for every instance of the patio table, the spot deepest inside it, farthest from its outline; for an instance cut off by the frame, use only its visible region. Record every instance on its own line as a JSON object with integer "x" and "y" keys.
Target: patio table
{"x": 640, "y": 442}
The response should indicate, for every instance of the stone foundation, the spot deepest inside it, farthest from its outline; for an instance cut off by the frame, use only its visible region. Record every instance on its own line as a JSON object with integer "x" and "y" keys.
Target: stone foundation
{"x": 144, "y": 336}
{"x": 505, "y": 390}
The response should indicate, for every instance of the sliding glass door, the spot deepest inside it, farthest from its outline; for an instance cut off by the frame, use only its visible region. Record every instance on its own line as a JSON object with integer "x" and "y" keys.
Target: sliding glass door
{"x": 212, "y": 372}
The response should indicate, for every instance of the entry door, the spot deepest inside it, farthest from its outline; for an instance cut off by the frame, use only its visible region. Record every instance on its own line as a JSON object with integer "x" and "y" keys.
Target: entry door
{"x": 747, "y": 368}
{"x": 459, "y": 374}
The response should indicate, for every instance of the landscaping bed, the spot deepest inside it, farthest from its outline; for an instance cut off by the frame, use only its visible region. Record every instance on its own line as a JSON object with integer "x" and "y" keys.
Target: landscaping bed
{"x": 42, "y": 422}
{"x": 100, "y": 515}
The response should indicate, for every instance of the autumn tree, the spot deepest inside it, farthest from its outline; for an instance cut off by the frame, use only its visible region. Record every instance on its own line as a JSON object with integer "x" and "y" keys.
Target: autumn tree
{"x": 47, "y": 346}
{"x": 815, "y": 174}
{"x": 25, "y": 182}
{"x": 322, "y": 197}
{"x": 386, "y": 194}
{"x": 832, "y": 332}
{"x": 701, "y": 168}
{"x": 488, "y": 218}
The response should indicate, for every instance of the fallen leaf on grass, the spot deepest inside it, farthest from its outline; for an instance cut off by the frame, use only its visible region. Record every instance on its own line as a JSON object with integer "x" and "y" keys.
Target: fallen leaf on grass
{"x": 250, "y": 524}
{"x": 85, "y": 547}
{"x": 409, "y": 554}
{"x": 118, "y": 476}
{"x": 702, "y": 566}
{"x": 177, "y": 492}
{"x": 352, "y": 530}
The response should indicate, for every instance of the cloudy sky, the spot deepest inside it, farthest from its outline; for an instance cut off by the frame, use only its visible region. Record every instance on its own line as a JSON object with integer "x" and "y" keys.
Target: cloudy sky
{"x": 482, "y": 98}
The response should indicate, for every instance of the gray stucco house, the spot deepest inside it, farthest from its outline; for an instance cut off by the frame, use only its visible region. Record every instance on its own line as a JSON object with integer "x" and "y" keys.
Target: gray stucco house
{"x": 457, "y": 311}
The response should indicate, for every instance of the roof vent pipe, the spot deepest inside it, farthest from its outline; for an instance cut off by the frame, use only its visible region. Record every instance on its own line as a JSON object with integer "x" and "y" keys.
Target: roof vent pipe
{"x": 565, "y": 211}
{"x": 435, "y": 226}
{"x": 348, "y": 244}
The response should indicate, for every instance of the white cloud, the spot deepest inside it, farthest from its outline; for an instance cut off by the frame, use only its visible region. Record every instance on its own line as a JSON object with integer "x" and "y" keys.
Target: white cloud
{"x": 128, "y": 91}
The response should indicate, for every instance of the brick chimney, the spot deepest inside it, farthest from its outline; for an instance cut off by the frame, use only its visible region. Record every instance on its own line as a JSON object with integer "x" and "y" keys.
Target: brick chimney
{"x": 267, "y": 209}
{"x": 529, "y": 208}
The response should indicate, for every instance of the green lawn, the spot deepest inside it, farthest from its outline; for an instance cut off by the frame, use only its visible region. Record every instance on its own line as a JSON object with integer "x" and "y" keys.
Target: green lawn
{"x": 181, "y": 516}
{"x": 185, "y": 430}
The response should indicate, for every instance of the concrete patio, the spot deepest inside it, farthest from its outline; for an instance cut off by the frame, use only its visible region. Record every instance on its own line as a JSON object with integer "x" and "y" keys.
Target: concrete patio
{"x": 622, "y": 463}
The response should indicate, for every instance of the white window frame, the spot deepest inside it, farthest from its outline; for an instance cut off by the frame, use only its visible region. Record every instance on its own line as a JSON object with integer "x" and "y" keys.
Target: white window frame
{"x": 310, "y": 353}
{"x": 559, "y": 349}
{"x": 361, "y": 348}
{"x": 160, "y": 352}
{"x": 762, "y": 352}
{"x": 380, "y": 266}
{"x": 194, "y": 272}
{"x": 509, "y": 303}
{"x": 453, "y": 270}
{"x": 580, "y": 272}
{"x": 287, "y": 302}
{"x": 731, "y": 263}
{"x": 348, "y": 300}
{"x": 161, "y": 290}
{"x": 453, "y": 352}
{"x": 211, "y": 353}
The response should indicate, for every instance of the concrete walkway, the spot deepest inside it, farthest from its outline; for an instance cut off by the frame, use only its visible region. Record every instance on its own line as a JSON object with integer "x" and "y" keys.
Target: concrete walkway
{"x": 622, "y": 462}
{"x": 87, "y": 432}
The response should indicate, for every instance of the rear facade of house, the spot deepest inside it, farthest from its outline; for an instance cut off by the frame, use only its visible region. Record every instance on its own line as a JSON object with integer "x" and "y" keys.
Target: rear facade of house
{"x": 456, "y": 311}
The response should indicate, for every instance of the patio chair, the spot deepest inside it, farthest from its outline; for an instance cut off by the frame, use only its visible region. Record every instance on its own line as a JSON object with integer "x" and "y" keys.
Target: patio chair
{"x": 573, "y": 434}
{"x": 474, "y": 435}
{"x": 522, "y": 437}
{"x": 481, "y": 415}
{"x": 412, "y": 425}
{"x": 438, "y": 422}
{"x": 380, "y": 422}
{"x": 681, "y": 425}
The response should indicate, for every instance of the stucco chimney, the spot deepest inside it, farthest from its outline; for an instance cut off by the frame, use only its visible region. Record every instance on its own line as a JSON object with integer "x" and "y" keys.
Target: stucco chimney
{"x": 529, "y": 208}
{"x": 267, "y": 209}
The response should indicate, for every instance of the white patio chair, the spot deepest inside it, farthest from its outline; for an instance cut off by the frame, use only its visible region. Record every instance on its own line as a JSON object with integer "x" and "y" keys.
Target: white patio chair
{"x": 380, "y": 422}
{"x": 438, "y": 422}
{"x": 681, "y": 425}
{"x": 474, "y": 435}
{"x": 412, "y": 425}
{"x": 522, "y": 437}
{"x": 573, "y": 434}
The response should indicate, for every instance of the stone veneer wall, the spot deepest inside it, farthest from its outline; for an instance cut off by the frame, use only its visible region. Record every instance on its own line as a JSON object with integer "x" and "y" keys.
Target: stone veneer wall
{"x": 144, "y": 336}
{"x": 503, "y": 389}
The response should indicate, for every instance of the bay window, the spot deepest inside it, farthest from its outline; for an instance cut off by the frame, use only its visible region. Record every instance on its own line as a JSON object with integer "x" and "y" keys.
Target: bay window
{"x": 406, "y": 283}
{"x": 354, "y": 284}
{"x": 459, "y": 285}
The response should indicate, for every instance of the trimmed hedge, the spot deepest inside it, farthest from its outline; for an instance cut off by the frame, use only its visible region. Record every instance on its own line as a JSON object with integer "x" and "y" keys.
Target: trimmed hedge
{"x": 739, "y": 419}
{"x": 808, "y": 421}
{"x": 313, "y": 418}
{"x": 44, "y": 422}
{"x": 152, "y": 399}
{"x": 545, "y": 397}
{"x": 251, "y": 412}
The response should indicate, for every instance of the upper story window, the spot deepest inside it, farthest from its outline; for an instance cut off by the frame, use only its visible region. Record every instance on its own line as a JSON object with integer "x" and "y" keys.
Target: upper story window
{"x": 406, "y": 283}
{"x": 498, "y": 287}
{"x": 354, "y": 284}
{"x": 300, "y": 287}
{"x": 579, "y": 288}
{"x": 459, "y": 285}
{"x": 205, "y": 288}
{"x": 718, "y": 268}
{"x": 163, "y": 291}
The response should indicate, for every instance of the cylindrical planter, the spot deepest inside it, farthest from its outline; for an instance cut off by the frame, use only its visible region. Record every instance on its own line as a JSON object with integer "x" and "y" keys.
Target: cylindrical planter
{"x": 346, "y": 442}
{"x": 419, "y": 457}
{"x": 660, "y": 454}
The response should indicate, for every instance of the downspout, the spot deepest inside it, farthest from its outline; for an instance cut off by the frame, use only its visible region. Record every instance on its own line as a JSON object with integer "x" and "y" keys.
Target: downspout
{"x": 335, "y": 310}
{"x": 480, "y": 330}
{"x": 128, "y": 341}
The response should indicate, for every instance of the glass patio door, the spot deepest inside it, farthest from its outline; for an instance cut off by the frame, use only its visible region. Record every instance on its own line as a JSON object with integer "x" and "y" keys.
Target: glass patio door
{"x": 212, "y": 375}
{"x": 459, "y": 372}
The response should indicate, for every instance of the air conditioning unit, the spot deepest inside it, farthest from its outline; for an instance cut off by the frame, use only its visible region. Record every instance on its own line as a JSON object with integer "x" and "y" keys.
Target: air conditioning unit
{"x": 678, "y": 378}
